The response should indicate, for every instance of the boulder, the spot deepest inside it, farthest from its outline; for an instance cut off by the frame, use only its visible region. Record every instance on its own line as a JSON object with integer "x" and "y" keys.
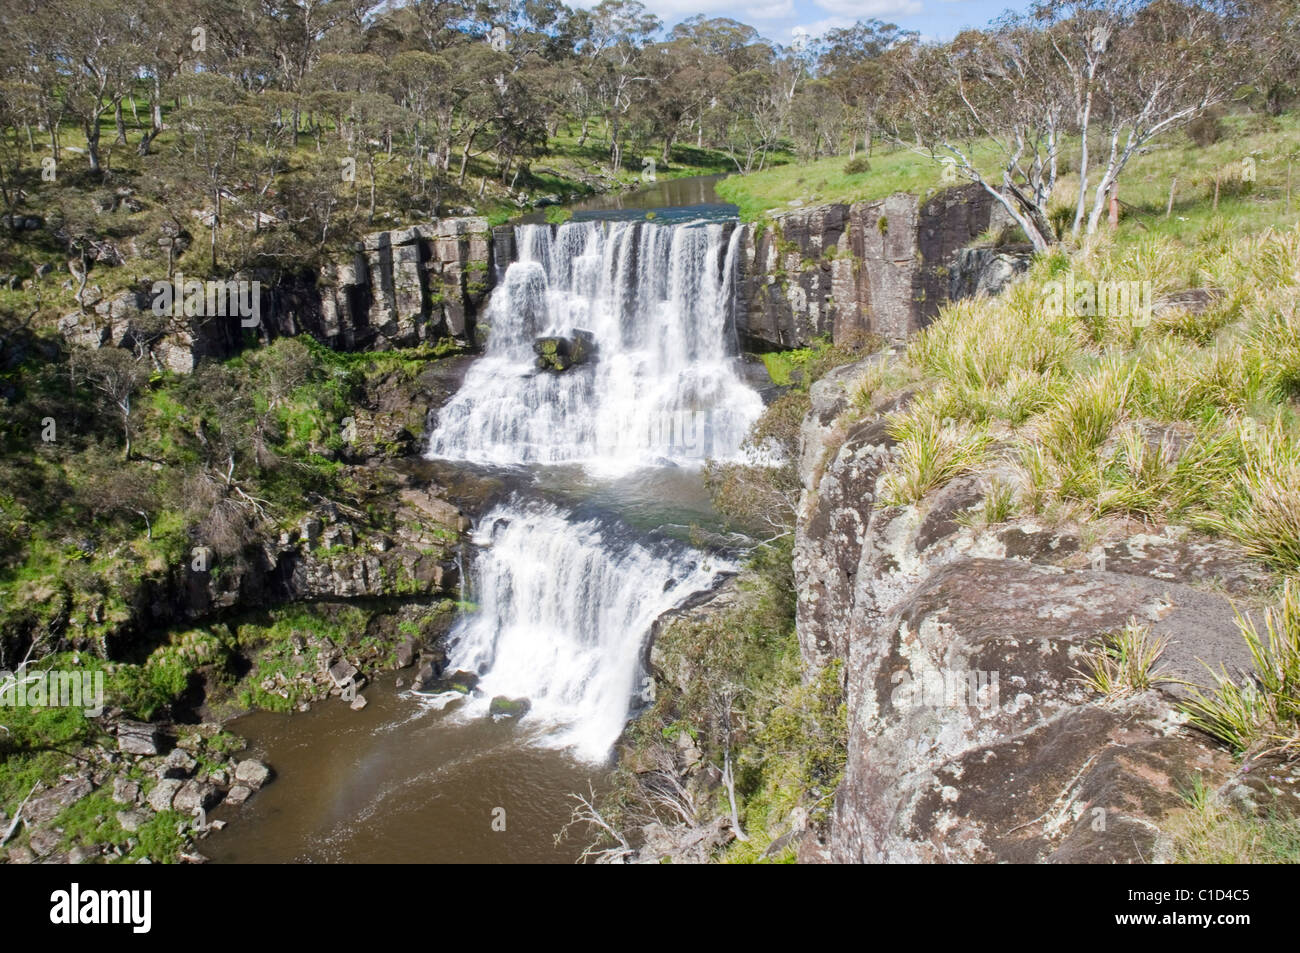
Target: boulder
{"x": 45, "y": 842}
{"x": 406, "y": 652}
{"x": 252, "y": 774}
{"x": 194, "y": 795}
{"x": 163, "y": 793}
{"x": 342, "y": 673}
{"x": 178, "y": 764}
{"x": 503, "y": 707}
{"x": 134, "y": 737}
{"x": 131, "y": 821}
{"x": 125, "y": 790}
{"x": 45, "y": 807}
{"x": 238, "y": 794}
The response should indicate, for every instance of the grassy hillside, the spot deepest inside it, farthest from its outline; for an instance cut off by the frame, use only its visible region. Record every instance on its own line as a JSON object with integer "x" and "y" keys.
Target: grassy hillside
{"x": 1271, "y": 142}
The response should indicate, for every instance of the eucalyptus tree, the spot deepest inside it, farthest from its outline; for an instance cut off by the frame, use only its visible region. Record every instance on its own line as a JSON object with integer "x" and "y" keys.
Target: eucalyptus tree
{"x": 1003, "y": 87}
{"x": 619, "y": 32}
{"x": 1172, "y": 61}
{"x": 852, "y": 62}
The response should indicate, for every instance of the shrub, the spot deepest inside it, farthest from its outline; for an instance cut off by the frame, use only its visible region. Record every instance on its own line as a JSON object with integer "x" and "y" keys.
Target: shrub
{"x": 858, "y": 165}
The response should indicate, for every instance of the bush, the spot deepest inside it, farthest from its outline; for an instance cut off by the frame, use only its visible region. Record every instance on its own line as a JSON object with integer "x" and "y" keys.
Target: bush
{"x": 858, "y": 165}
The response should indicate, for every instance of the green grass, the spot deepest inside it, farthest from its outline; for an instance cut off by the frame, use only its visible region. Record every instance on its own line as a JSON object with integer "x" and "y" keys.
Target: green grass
{"x": 1103, "y": 416}
{"x": 825, "y": 180}
{"x": 1125, "y": 663}
{"x": 1208, "y": 831}
{"x": 1144, "y": 185}
{"x": 1262, "y": 711}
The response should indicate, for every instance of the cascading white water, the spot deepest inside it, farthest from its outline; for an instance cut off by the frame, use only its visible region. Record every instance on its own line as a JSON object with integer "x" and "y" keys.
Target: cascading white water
{"x": 565, "y": 605}
{"x": 663, "y": 386}
{"x": 564, "y": 608}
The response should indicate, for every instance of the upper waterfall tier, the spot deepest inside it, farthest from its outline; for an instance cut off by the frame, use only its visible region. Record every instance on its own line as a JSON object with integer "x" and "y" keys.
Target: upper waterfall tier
{"x": 662, "y": 385}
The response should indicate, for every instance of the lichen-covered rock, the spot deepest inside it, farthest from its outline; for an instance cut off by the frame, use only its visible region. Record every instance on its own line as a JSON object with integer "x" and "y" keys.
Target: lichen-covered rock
{"x": 163, "y": 793}
{"x": 971, "y": 735}
{"x": 252, "y": 774}
{"x": 45, "y": 807}
{"x": 195, "y": 795}
{"x": 137, "y": 737}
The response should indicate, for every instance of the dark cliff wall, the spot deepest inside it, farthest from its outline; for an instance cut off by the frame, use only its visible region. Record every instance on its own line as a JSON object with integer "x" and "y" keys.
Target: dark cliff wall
{"x": 880, "y": 267}
{"x": 399, "y": 288}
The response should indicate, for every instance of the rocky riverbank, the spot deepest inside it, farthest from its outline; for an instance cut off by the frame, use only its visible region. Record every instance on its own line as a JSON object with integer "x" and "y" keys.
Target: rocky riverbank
{"x": 306, "y": 614}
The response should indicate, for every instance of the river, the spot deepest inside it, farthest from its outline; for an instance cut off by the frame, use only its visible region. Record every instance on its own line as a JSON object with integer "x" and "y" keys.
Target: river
{"x": 586, "y": 541}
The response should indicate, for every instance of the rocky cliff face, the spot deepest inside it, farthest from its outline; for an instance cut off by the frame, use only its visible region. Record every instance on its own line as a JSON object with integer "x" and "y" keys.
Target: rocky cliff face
{"x": 400, "y": 288}
{"x": 881, "y": 267}
{"x": 971, "y": 736}
{"x": 409, "y": 286}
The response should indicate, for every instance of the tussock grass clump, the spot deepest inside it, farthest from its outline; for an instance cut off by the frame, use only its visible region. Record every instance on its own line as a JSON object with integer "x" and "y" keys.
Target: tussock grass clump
{"x": 1275, "y": 342}
{"x": 932, "y": 451}
{"x": 1261, "y": 712}
{"x": 1070, "y": 432}
{"x": 1125, "y": 663}
{"x": 1176, "y": 416}
{"x": 975, "y": 346}
{"x": 1262, "y": 509}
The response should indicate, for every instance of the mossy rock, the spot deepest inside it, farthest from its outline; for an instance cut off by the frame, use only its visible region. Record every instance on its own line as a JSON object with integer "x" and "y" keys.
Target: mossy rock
{"x": 509, "y": 707}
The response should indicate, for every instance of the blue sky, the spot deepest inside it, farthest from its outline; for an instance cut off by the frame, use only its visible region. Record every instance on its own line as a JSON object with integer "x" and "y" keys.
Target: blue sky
{"x": 779, "y": 19}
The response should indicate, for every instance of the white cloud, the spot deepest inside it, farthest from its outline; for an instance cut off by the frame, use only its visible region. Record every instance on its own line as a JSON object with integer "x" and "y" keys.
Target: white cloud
{"x": 774, "y": 10}
{"x": 819, "y": 27}
{"x": 861, "y": 9}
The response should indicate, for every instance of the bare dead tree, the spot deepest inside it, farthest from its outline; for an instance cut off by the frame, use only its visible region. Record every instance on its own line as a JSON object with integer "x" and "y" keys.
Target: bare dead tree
{"x": 586, "y": 813}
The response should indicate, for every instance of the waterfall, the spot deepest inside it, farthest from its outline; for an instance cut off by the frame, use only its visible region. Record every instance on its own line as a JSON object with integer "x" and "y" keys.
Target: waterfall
{"x": 564, "y": 608}
{"x": 662, "y": 386}
{"x": 565, "y": 604}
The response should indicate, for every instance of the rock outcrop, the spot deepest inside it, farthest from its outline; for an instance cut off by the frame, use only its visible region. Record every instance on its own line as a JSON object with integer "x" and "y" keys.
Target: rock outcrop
{"x": 409, "y": 552}
{"x": 399, "y": 288}
{"x": 409, "y": 286}
{"x": 972, "y": 737}
{"x": 846, "y": 271}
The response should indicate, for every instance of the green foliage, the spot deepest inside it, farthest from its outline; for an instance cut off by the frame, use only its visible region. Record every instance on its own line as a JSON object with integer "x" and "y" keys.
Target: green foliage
{"x": 1210, "y": 831}
{"x": 1125, "y": 663}
{"x": 158, "y": 839}
{"x": 1262, "y": 711}
{"x": 803, "y": 367}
